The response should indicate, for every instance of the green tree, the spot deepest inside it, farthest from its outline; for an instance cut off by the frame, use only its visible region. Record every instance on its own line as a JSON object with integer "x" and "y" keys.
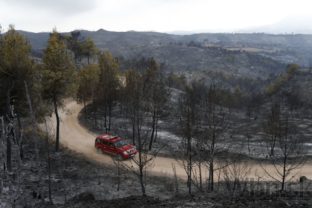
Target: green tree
{"x": 16, "y": 67}
{"x": 58, "y": 76}
{"x": 80, "y": 46}
{"x": 73, "y": 44}
{"x": 88, "y": 48}
{"x": 88, "y": 81}
{"x": 108, "y": 86}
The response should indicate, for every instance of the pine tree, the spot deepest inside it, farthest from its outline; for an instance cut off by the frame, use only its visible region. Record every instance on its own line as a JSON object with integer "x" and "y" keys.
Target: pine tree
{"x": 58, "y": 76}
{"x": 15, "y": 67}
{"x": 108, "y": 86}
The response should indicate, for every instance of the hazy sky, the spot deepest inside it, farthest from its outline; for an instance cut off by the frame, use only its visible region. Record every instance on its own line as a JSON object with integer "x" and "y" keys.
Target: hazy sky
{"x": 148, "y": 15}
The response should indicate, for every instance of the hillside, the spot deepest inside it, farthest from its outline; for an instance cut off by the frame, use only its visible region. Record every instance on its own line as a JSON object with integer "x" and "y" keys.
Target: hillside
{"x": 225, "y": 53}
{"x": 289, "y": 48}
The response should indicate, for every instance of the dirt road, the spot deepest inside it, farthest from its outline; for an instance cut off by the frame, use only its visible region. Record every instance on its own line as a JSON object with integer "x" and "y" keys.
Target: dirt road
{"x": 79, "y": 139}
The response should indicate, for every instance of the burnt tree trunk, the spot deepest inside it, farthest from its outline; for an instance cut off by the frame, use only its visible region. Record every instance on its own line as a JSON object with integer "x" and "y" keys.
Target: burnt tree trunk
{"x": 211, "y": 178}
{"x": 133, "y": 128}
{"x": 105, "y": 119}
{"x": 189, "y": 154}
{"x": 156, "y": 130}
{"x": 211, "y": 165}
{"x": 153, "y": 130}
{"x": 189, "y": 177}
{"x": 9, "y": 130}
{"x": 284, "y": 167}
{"x": 20, "y": 137}
{"x": 8, "y": 154}
{"x": 141, "y": 165}
{"x": 49, "y": 165}
{"x": 200, "y": 176}
{"x": 57, "y": 138}
{"x": 33, "y": 118}
{"x": 2, "y": 137}
{"x": 109, "y": 116}
{"x": 10, "y": 137}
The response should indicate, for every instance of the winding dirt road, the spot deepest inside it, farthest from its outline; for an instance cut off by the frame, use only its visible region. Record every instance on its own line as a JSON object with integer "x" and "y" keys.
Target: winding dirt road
{"x": 79, "y": 139}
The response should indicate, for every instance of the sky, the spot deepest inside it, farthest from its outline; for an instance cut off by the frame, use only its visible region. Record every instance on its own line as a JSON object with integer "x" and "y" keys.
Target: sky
{"x": 150, "y": 15}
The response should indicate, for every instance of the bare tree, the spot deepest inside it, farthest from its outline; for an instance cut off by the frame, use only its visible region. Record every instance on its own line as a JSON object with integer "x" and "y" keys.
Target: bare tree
{"x": 118, "y": 165}
{"x": 286, "y": 149}
{"x": 156, "y": 94}
{"x": 235, "y": 175}
{"x": 187, "y": 110}
{"x": 215, "y": 122}
{"x": 138, "y": 116}
{"x": 144, "y": 158}
{"x": 175, "y": 177}
{"x": 273, "y": 127}
{"x": 132, "y": 95}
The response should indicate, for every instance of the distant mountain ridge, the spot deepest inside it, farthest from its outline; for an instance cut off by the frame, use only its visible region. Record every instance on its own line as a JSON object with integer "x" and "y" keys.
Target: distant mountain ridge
{"x": 253, "y": 55}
